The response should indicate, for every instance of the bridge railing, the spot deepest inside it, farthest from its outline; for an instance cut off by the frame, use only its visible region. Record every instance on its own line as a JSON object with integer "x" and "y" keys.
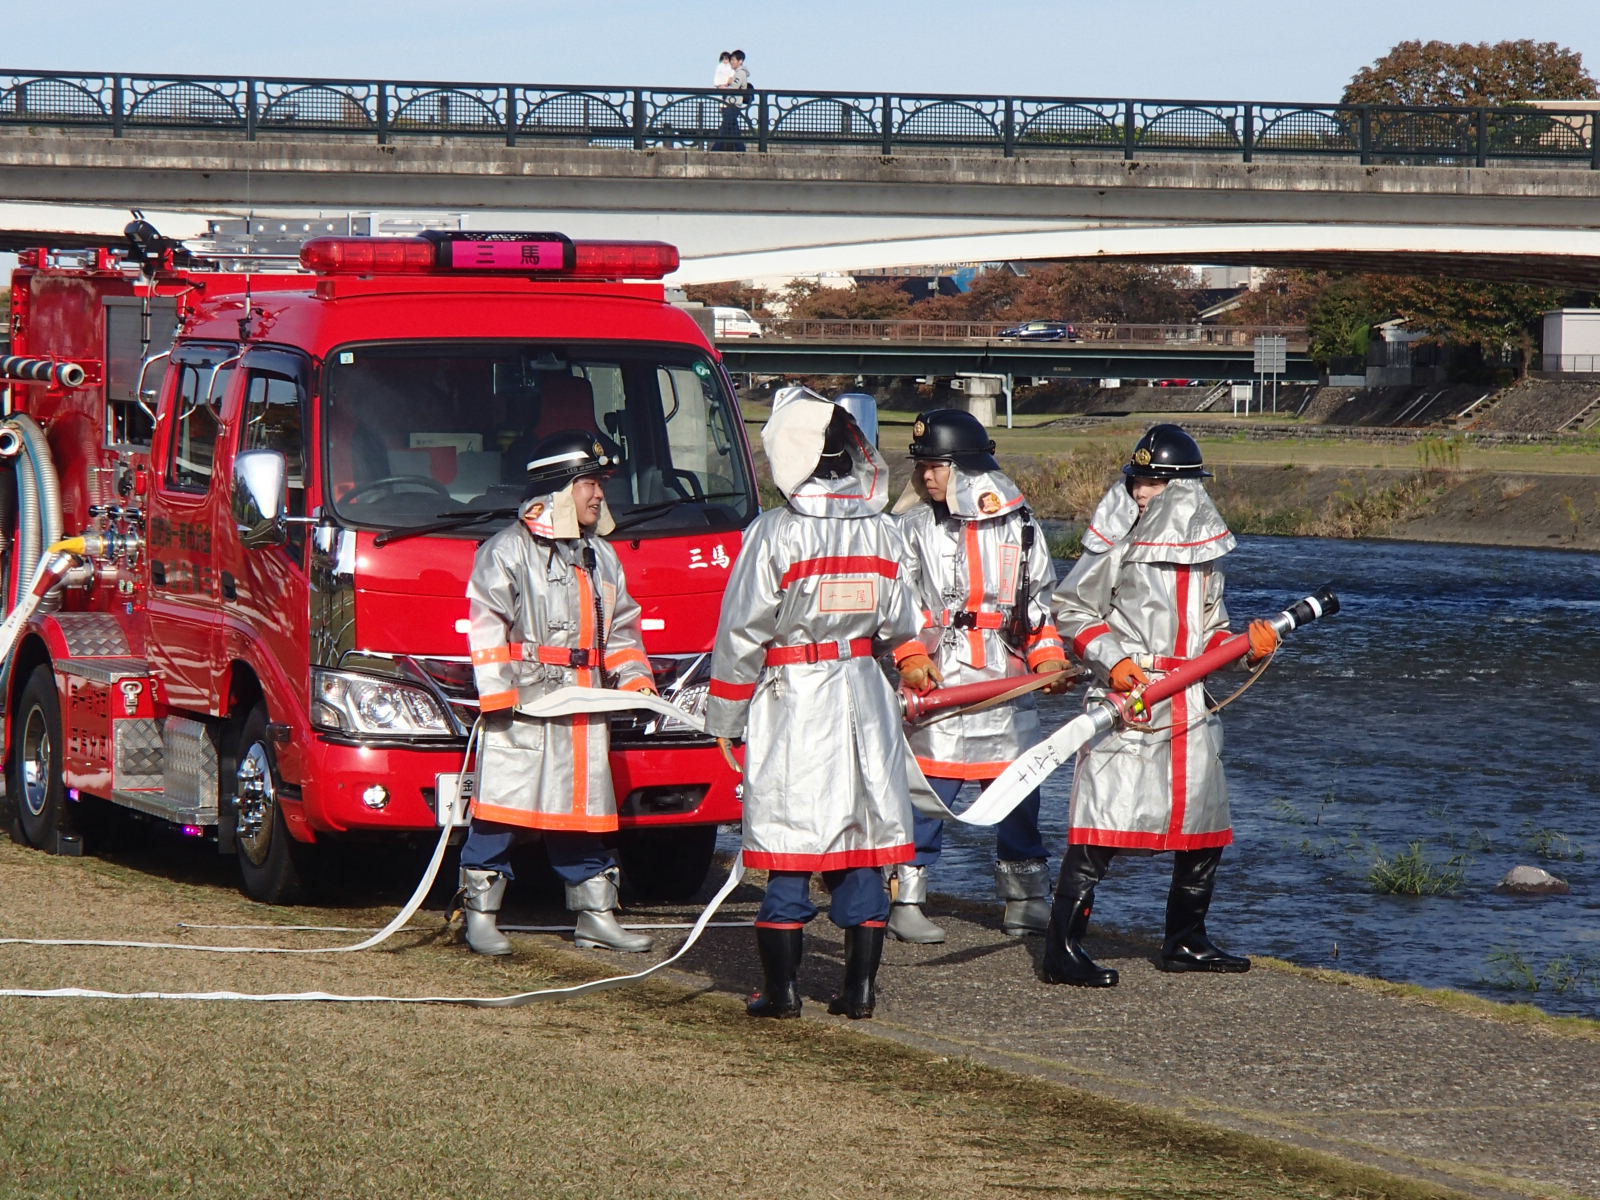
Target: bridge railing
{"x": 967, "y": 332}
{"x": 651, "y": 118}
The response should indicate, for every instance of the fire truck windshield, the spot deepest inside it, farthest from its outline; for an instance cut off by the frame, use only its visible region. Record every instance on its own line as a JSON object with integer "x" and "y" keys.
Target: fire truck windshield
{"x": 418, "y": 432}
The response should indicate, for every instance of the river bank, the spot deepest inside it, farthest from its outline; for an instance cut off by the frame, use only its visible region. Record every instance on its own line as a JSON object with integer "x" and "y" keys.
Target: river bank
{"x": 1485, "y": 508}
{"x": 1279, "y": 479}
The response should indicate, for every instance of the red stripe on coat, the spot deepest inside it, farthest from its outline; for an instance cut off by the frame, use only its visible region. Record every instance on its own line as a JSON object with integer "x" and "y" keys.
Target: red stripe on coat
{"x": 841, "y": 564}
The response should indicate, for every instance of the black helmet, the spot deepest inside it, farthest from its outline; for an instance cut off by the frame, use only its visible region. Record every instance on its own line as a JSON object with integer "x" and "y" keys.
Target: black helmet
{"x": 1166, "y": 452}
{"x": 950, "y": 435}
{"x": 570, "y": 454}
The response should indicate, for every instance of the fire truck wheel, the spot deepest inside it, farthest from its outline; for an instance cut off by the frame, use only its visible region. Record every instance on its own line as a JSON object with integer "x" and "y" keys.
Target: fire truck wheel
{"x": 274, "y": 868}
{"x": 667, "y": 863}
{"x": 36, "y": 791}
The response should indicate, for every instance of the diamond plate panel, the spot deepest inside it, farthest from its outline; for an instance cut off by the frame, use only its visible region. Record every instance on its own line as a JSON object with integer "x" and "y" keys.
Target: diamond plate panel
{"x": 139, "y": 753}
{"x": 191, "y": 769}
{"x": 93, "y": 635}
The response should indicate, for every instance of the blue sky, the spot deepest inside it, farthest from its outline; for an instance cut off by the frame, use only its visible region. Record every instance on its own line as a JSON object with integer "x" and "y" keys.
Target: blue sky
{"x": 1154, "y": 49}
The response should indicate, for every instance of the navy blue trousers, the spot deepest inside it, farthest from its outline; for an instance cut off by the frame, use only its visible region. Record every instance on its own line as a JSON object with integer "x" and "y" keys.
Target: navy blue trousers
{"x": 1016, "y": 837}
{"x": 860, "y": 897}
{"x": 574, "y": 855}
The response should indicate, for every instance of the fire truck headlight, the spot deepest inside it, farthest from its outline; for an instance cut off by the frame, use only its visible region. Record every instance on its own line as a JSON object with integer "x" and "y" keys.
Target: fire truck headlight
{"x": 350, "y": 703}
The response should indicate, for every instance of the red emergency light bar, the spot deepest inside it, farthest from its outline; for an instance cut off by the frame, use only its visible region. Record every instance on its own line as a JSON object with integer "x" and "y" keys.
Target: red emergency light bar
{"x": 533, "y": 254}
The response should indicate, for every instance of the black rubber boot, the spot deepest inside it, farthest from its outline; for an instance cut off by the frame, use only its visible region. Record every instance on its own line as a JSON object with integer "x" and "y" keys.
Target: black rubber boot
{"x": 780, "y": 951}
{"x": 863, "y": 948}
{"x": 1064, "y": 959}
{"x": 1187, "y": 948}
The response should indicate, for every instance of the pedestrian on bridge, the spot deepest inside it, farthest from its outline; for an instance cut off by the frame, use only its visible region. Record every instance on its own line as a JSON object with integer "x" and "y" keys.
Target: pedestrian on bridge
{"x": 982, "y": 574}
{"x": 1147, "y": 595}
{"x": 735, "y": 83}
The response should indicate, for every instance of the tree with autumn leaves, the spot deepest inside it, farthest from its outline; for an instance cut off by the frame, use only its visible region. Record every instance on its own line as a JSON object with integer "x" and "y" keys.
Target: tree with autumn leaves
{"x": 1498, "y": 319}
{"x": 1481, "y": 73}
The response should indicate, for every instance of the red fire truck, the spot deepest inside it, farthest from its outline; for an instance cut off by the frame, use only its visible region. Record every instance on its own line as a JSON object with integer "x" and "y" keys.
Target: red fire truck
{"x": 282, "y": 477}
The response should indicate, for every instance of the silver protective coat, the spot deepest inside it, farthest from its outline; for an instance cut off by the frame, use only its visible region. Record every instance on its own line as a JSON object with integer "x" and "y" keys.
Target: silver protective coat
{"x": 827, "y": 768}
{"x": 1153, "y": 594}
{"x": 971, "y": 565}
{"x": 528, "y": 591}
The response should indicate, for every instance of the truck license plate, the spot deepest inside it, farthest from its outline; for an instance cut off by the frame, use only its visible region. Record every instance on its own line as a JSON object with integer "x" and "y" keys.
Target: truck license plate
{"x": 454, "y": 789}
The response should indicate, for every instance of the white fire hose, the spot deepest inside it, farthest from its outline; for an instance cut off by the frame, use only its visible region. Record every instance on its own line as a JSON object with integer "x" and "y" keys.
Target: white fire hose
{"x": 562, "y": 702}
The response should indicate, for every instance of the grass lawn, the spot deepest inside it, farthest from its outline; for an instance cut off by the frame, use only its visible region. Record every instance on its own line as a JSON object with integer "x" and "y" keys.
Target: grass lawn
{"x": 657, "y": 1090}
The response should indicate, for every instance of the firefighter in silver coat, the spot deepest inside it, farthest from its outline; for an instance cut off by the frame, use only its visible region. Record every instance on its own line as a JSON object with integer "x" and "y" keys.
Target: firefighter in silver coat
{"x": 549, "y": 608}
{"x": 815, "y": 594}
{"x": 982, "y": 574}
{"x": 1147, "y": 595}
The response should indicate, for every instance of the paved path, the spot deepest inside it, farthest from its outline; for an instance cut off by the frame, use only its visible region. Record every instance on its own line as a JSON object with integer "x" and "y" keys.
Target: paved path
{"x": 1489, "y": 1107}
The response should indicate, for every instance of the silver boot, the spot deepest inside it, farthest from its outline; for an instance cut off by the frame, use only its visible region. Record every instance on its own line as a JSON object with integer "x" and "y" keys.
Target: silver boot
{"x": 1025, "y": 887}
{"x": 595, "y": 902}
{"x": 481, "y": 893}
{"x": 906, "y": 920}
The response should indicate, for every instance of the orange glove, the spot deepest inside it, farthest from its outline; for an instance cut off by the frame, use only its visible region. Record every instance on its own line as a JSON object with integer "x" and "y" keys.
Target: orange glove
{"x": 1056, "y": 666}
{"x": 919, "y": 673}
{"x": 1127, "y": 675}
{"x": 1264, "y": 640}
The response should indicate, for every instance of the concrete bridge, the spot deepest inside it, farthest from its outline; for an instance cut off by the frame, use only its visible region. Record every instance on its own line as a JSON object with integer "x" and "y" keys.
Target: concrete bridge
{"x": 1489, "y": 197}
{"x": 907, "y": 348}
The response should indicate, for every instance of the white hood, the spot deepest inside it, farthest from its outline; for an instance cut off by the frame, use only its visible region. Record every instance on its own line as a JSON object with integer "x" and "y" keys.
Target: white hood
{"x": 793, "y": 439}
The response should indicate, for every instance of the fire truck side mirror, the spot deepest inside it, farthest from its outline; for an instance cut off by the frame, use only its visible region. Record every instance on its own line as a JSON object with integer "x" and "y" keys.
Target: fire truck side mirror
{"x": 258, "y": 497}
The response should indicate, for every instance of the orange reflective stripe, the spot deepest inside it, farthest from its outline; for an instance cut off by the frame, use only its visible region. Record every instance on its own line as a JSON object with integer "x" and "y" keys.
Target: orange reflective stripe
{"x": 492, "y": 654}
{"x": 615, "y": 662}
{"x": 975, "y": 592}
{"x": 525, "y": 819}
{"x": 494, "y": 701}
{"x": 638, "y": 685}
{"x": 937, "y": 769}
{"x": 580, "y": 721}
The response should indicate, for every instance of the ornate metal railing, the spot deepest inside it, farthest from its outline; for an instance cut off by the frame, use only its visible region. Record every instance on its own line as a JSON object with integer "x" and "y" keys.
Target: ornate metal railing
{"x": 651, "y": 118}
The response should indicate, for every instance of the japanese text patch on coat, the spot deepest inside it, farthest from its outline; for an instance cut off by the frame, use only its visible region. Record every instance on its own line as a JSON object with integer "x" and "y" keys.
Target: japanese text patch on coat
{"x": 847, "y": 595}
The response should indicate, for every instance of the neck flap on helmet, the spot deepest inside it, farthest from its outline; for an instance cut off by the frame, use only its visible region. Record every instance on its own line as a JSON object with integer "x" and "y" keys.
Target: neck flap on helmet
{"x": 969, "y": 495}
{"x": 1181, "y": 525}
{"x": 555, "y": 515}
{"x": 795, "y": 437}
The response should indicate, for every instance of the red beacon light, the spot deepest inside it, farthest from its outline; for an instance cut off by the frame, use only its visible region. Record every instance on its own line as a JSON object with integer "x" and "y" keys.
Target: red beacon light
{"x": 484, "y": 253}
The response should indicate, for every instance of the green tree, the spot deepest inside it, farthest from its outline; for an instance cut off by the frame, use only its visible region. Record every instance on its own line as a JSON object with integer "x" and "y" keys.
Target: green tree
{"x": 1481, "y": 73}
{"x": 1498, "y": 319}
{"x": 1341, "y": 316}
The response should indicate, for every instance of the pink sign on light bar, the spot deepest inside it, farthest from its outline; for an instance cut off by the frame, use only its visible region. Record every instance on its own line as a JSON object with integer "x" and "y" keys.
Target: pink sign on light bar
{"x": 522, "y": 255}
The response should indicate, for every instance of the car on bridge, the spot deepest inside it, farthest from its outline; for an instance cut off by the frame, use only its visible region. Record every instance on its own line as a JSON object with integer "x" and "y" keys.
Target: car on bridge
{"x": 1042, "y": 331}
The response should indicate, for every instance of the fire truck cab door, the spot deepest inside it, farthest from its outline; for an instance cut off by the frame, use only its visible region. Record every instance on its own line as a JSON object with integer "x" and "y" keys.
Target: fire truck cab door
{"x": 265, "y": 589}
{"x": 188, "y": 504}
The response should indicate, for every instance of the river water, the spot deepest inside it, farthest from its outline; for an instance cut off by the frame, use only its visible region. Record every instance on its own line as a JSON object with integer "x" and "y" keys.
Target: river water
{"x": 1454, "y": 704}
